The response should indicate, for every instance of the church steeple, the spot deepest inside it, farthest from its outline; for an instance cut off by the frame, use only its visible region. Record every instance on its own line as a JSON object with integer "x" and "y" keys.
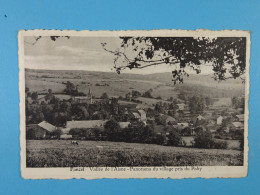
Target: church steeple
{"x": 90, "y": 96}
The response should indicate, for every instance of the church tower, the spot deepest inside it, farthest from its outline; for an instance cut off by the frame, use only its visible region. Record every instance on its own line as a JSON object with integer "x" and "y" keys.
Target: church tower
{"x": 90, "y": 96}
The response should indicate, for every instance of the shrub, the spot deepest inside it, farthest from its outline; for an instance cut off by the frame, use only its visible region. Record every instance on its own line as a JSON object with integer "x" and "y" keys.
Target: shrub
{"x": 174, "y": 138}
{"x": 204, "y": 139}
{"x": 158, "y": 139}
{"x": 220, "y": 144}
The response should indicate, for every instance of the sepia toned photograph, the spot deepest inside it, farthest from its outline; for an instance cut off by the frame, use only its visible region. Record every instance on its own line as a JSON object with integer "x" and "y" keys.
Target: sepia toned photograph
{"x": 134, "y": 104}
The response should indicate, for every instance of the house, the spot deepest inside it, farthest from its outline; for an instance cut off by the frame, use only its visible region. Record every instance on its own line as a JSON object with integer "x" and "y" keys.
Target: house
{"x": 181, "y": 106}
{"x": 200, "y": 118}
{"x": 39, "y": 131}
{"x": 47, "y": 126}
{"x": 65, "y": 136}
{"x": 240, "y": 118}
{"x": 219, "y": 120}
{"x": 183, "y": 124}
{"x": 64, "y": 130}
{"x": 213, "y": 130}
{"x": 33, "y": 131}
{"x": 170, "y": 119}
{"x": 142, "y": 106}
{"x": 86, "y": 124}
{"x": 136, "y": 116}
{"x": 238, "y": 125}
{"x": 84, "y": 99}
{"x": 124, "y": 125}
{"x": 142, "y": 115}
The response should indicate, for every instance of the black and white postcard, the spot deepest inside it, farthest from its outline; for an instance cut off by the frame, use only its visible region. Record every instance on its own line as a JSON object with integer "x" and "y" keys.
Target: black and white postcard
{"x": 134, "y": 104}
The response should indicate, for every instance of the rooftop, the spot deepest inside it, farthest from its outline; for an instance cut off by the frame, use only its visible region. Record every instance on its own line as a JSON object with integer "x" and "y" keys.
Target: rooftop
{"x": 47, "y": 126}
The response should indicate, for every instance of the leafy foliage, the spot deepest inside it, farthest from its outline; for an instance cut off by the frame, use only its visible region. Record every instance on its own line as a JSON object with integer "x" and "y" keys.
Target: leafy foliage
{"x": 204, "y": 139}
{"x": 227, "y": 55}
{"x": 174, "y": 138}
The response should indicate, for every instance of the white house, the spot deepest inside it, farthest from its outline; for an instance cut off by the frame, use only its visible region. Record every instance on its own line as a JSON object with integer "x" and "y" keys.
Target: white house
{"x": 219, "y": 120}
{"x": 124, "y": 125}
{"x": 200, "y": 118}
{"x": 183, "y": 124}
{"x": 65, "y": 136}
{"x": 142, "y": 115}
{"x": 181, "y": 106}
{"x": 86, "y": 124}
{"x": 238, "y": 125}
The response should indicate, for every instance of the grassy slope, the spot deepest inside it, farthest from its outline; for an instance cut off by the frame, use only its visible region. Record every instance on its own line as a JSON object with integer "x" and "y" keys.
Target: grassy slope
{"x": 124, "y": 83}
{"x": 61, "y": 153}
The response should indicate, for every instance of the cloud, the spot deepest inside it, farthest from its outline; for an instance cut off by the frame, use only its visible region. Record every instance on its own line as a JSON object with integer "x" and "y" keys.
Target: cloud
{"x": 77, "y": 51}
{"x": 67, "y": 63}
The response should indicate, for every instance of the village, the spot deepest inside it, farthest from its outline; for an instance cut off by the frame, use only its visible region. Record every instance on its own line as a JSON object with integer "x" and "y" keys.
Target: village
{"x": 128, "y": 119}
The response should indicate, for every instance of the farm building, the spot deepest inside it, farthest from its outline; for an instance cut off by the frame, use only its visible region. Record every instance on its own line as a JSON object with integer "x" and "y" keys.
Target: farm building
{"x": 47, "y": 126}
{"x": 87, "y": 124}
{"x": 39, "y": 131}
{"x": 33, "y": 131}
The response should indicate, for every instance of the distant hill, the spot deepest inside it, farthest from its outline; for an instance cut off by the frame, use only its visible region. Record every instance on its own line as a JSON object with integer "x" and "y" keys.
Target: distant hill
{"x": 120, "y": 84}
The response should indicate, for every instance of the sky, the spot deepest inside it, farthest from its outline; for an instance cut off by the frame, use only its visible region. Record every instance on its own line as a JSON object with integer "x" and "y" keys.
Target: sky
{"x": 80, "y": 53}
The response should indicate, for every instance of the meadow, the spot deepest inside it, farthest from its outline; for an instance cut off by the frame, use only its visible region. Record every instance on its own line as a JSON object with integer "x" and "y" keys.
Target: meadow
{"x": 61, "y": 153}
{"x": 231, "y": 144}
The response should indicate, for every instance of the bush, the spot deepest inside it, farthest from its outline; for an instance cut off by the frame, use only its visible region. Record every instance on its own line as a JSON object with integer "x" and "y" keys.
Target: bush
{"x": 204, "y": 139}
{"x": 174, "y": 138}
{"x": 220, "y": 144}
{"x": 158, "y": 139}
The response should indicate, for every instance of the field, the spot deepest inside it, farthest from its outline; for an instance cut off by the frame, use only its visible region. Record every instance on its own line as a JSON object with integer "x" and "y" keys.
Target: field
{"x": 61, "y": 153}
{"x": 116, "y": 85}
{"x": 150, "y": 101}
{"x": 119, "y": 85}
{"x": 232, "y": 144}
